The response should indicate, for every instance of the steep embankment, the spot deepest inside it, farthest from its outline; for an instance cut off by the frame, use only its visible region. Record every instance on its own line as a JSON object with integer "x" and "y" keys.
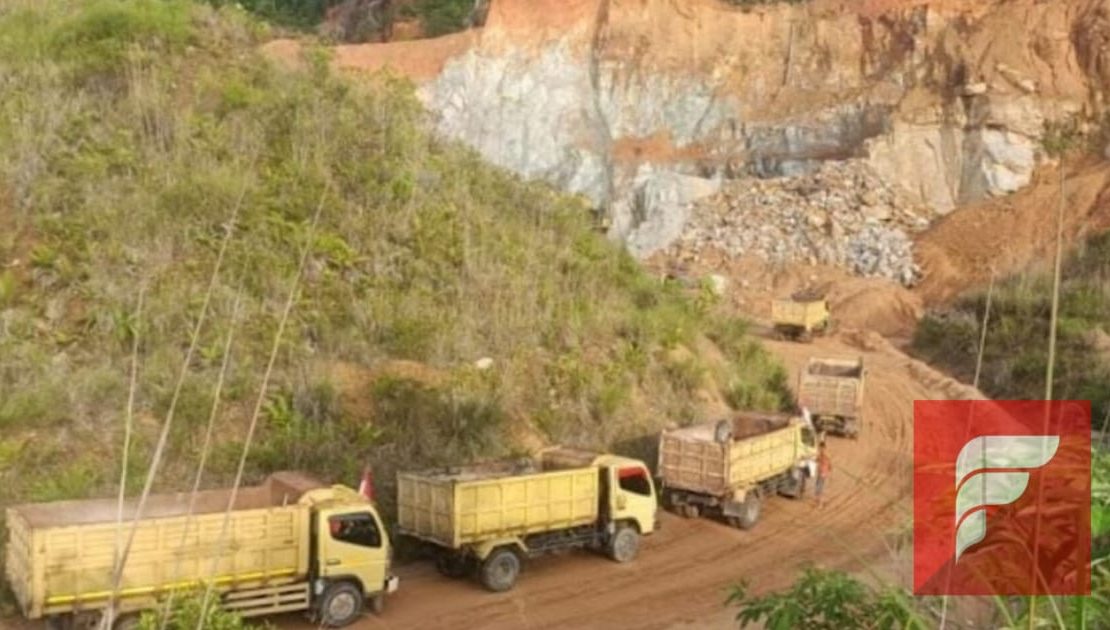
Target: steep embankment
{"x": 142, "y": 141}
{"x": 648, "y": 105}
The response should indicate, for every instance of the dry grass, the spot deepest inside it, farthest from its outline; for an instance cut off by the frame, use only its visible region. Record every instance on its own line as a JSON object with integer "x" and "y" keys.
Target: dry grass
{"x": 128, "y": 130}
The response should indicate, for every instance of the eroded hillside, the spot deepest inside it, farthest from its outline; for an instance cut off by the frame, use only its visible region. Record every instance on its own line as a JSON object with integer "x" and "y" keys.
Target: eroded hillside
{"x": 647, "y": 106}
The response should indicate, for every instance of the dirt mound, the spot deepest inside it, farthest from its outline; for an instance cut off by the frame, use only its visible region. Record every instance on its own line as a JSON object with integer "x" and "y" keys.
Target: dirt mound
{"x": 1010, "y": 233}
{"x": 875, "y": 304}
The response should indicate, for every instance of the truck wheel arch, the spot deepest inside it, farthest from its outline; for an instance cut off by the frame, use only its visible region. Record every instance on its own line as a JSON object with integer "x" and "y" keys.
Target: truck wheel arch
{"x": 483, "y": 549}
{"x": 501, "y": 569}
{"x": 330, "y": 580}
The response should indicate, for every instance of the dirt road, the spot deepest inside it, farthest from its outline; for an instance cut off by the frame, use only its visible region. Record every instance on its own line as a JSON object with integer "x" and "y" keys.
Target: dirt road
{"x": 682, "y": 575}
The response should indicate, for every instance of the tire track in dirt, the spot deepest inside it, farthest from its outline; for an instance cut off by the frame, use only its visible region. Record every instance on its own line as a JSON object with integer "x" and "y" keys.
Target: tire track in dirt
{"x": 681, "y": 577}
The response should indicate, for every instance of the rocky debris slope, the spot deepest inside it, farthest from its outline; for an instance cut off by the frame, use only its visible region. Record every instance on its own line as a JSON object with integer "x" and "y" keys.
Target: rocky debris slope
{"x": 842, "y": 215}
{"x": 646, "y": 105}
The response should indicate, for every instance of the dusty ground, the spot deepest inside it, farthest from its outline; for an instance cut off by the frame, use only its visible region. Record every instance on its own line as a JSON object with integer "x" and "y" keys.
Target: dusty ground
{"x": 1010, "y": 233}
{"x": 681, "y": 578}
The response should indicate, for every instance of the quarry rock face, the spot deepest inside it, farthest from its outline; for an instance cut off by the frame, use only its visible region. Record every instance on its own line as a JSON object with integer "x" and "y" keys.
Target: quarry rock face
{"x": 647, "y": 107}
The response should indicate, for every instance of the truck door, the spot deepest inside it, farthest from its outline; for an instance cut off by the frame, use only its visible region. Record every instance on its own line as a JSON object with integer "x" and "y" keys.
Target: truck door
{"x": 632, "y": 496}
{"x": 352, "y": 543}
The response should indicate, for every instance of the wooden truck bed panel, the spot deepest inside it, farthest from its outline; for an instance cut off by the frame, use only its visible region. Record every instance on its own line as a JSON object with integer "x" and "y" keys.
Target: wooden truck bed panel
{"x": 755, "y": 459}
{"x": 18, "y": 561}
{"x": 832, "y": 387}
{"x": 693, "y": 464}
{"x": 463, "y": 509}
{"x": 691, "y": 459}
{"x": 53, "y": 567}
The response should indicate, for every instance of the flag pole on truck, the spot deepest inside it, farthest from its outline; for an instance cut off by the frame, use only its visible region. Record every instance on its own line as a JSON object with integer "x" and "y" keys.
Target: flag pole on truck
{"x": 366, "y": 486}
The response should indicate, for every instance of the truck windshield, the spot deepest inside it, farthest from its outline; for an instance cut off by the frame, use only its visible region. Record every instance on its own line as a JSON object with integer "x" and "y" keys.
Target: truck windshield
{"x": 634, "y": 480}
{"x": 357, "y": 529}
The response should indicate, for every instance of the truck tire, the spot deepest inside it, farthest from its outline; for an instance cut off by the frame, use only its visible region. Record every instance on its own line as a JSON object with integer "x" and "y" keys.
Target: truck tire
{"x": 851, "y": 428}
{"x": 689, "y": 510}
{"x": 749, "y": 512}
{"x": 500, "y": 570}
{"x": 341, "y": 605}
{"x": 624, "y": 544}
{"x": 795, "y": 487}
{"x": 377, "y": 603}
{"x": 722, "y": 433}
{"x": 452, "y": 565}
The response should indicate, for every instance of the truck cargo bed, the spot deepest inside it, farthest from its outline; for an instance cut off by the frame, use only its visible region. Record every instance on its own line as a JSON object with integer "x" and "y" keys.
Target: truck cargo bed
{"x": 832, "y": 387}
{"x": 460, "y": 506}
{"x": 60, "y": 555}
{"x": 762, "y": 446}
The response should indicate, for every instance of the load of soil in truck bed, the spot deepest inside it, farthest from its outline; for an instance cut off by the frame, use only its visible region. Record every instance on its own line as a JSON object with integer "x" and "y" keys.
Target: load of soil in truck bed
{"x": 744, "y": 425}
{"x": 552, "y": 459}
{"x": 278, "y": 490}
{"x": 841, "y": 369}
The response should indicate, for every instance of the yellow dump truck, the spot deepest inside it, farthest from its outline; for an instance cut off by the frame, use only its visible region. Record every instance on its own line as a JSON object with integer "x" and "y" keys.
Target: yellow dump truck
{"x": 488, "y": 518}
{"x": 801, "y": 316}
{"x": 832, "y": 391}
{"x": 729, "y": 467}
{"x": 292, "y": 544}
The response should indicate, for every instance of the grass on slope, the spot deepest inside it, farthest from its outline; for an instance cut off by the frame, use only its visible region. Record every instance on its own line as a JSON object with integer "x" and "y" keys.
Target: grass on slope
{"x": 1016, "y": 349}
{"x": 129, "y": 130}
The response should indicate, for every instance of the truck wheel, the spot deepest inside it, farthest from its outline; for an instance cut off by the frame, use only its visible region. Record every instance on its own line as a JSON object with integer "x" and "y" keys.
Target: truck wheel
{"x": 749, "y": 513}
{"x": 377, "y": 603}
{"x": 500, "y": 570}
{"x": 341, "y": 605}
{"x": 722, "y": 433}
{"x": 624, "y": 544}
{"x": 796, "y": 486}
{"x": 452, "y": 565}
{"x": 690, "y": 510}
{"x": 59, "y": 622}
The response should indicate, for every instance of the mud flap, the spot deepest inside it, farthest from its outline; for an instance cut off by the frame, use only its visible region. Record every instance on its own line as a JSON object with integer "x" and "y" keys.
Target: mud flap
{"x": 733, "y": 508}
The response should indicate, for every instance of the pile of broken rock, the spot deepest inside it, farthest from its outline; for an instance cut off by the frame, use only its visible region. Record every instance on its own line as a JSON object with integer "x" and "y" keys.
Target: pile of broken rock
{"x": 840, "y": 215}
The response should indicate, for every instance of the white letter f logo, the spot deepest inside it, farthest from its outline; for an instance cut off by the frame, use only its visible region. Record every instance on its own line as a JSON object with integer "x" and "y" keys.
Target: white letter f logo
{"x": 976, "y": 488}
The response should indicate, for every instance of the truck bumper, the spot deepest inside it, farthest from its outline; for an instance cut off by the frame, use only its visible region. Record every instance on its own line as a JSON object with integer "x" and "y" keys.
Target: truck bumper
{"x": 392, "y": 583}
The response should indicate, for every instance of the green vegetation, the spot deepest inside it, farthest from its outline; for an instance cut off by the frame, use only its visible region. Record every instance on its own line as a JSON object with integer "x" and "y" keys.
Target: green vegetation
{"x": 827, "y": 600}
{"x": 1016, "y": 348}
{"x": 1014, "y": 362}
{"x": 187, "y": 613}
{"x": 436, "y": 17}
{"x": 440, "y": 17}
{"x": 131, "y": 131}
{"x": 292, "y": 13}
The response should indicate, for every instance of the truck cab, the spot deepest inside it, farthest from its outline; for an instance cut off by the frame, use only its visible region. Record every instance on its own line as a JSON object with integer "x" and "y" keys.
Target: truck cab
{"x": 631, "y": 496}
{"x": 351, "y": 556}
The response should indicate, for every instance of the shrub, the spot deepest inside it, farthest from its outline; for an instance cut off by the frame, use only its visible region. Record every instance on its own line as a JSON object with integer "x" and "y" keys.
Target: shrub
{"x": 829, "y": 600}
{"x": 1015, "y": 353}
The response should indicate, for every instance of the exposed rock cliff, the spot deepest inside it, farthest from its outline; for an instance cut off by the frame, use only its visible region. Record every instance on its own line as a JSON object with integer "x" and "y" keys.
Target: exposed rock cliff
{"x": 647, "y": 105}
